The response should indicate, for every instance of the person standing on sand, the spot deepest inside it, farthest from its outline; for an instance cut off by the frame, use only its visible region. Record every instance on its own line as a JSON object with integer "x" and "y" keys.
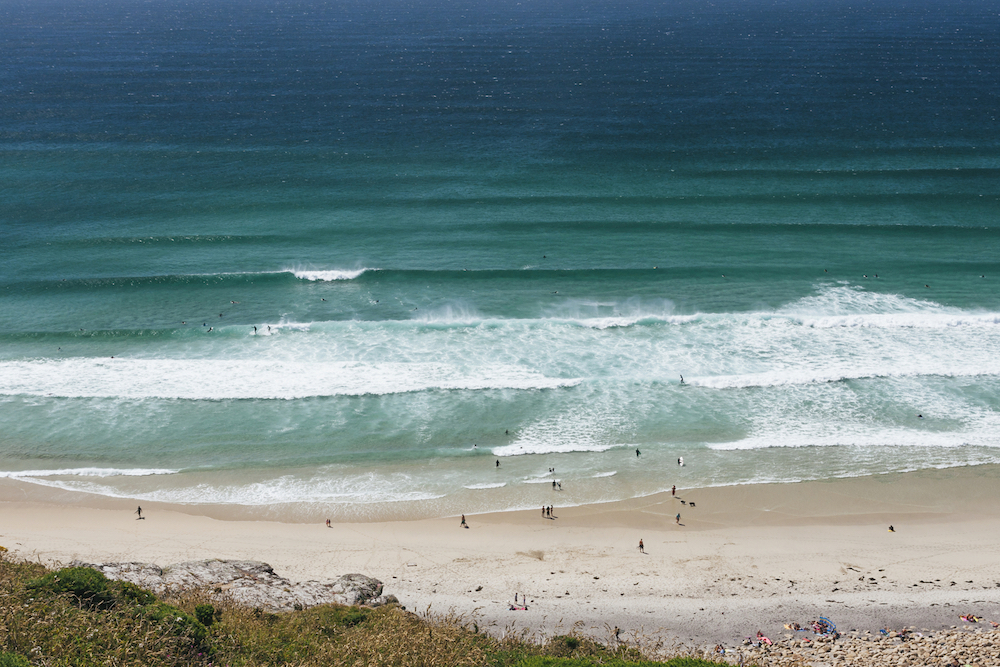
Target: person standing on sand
{"x": 678, "y": 518}
{"x": 139, "y": 512}
{"x": 642, "y": 549}
{"x": 673, "y": 490}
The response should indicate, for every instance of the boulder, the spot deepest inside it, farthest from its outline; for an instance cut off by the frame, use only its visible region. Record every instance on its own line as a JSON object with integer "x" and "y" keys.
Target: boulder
{"x": 249, "y": 583}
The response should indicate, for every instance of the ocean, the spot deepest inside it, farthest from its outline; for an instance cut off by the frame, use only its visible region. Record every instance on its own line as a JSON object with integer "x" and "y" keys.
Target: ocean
{"x": 387, "y": 259}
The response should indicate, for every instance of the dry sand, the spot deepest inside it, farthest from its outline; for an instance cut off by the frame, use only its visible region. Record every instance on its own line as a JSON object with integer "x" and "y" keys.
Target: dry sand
{"x": 743, "y": 559}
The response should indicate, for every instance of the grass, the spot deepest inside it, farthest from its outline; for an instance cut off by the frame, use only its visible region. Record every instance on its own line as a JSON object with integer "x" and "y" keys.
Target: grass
{"x": 75, "y": 617}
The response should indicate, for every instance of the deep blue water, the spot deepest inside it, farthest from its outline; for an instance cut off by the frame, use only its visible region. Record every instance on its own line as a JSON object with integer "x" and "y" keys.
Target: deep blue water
{"x": 469, "y": 231}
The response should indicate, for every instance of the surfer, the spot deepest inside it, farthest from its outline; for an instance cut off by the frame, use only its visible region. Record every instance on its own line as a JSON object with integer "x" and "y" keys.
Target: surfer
{"x": 637, "y": 452}
{"x": 682, "y": 379}
{"x": 498, "y": 463}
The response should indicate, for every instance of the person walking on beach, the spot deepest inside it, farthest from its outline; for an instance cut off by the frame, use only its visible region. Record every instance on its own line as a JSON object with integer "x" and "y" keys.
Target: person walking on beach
{"x": 463, "y": 524}
{"x": 642, "y": 549}
{"x": 139, "y": 512}
{"x": 673, "y": 490}
{"x": 678, "y": 518}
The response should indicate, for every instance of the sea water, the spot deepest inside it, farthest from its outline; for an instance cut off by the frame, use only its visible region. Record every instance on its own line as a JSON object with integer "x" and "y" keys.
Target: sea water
{"x": 315, "y": 259}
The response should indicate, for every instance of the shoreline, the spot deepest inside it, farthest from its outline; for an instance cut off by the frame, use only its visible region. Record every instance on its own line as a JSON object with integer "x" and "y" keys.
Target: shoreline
{"x": 745, "y": 558}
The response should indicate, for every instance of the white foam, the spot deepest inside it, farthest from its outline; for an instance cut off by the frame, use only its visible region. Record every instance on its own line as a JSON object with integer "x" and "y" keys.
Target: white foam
{"x": 605, "y": 474}
{"x": 327, "y": 275}
{"x": 221, "y": 379}
{"x": 476, "y": 487}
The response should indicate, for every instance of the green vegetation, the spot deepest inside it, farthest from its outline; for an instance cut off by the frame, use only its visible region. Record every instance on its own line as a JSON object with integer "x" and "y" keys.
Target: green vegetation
{"x": 75, "y": 617}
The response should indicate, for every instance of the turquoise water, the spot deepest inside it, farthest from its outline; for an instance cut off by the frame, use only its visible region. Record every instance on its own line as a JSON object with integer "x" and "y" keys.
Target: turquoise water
{"x": 309, "y": 260}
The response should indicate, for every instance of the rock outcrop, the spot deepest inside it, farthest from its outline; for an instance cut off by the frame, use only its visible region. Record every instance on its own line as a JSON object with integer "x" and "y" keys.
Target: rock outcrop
{"x": 247, "y": 582}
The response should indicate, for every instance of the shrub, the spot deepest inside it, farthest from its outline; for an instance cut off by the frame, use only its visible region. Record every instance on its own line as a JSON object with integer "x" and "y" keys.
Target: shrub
{"x": 129, "y": 592}
{"x": 13, "y": 660}
{"x": 87, "y": 585}
{"x": 180, "y": 622}
{"x": 205, "y": 613}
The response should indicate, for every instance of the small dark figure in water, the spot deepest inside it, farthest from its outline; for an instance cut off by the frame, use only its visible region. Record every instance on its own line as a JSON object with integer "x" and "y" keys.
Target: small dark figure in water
{"x": 498, "y": 463}
{"x": 637, "y": 453}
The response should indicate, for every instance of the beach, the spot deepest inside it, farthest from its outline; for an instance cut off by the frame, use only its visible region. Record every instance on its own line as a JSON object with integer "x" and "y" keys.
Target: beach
{"x": 743, "y": 559}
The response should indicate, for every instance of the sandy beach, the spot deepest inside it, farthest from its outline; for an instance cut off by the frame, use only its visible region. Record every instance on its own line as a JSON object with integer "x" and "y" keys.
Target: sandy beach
{"x": 742, "y": 559}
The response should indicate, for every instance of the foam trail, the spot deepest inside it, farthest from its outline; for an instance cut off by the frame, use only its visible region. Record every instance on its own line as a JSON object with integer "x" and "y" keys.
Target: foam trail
{"x": 88, "y": 472}
{"x": 353, "y": 489}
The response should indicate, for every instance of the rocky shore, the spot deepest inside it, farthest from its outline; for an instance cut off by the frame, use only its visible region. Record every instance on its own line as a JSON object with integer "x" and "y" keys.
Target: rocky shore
{"x": 247, "y": 582}
{"x": 957, "y": 647}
